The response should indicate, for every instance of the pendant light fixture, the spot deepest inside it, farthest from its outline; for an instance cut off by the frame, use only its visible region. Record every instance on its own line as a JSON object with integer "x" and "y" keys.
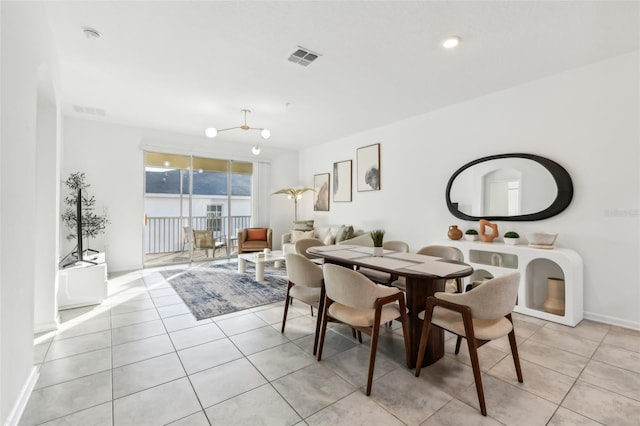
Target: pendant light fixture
{"x": 212, "y": 132}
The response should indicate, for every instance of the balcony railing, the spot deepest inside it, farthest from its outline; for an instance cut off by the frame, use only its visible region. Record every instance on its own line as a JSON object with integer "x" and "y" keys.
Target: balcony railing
{"x": 167, "y": 234}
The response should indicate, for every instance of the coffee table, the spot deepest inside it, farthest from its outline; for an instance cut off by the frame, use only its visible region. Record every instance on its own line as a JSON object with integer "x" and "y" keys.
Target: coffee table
{"x": 259, "y": 259}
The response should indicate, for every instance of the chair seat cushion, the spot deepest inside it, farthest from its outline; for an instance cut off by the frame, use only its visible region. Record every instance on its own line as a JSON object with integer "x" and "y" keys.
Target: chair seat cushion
{"x": 254, "y": 245}
{"x": 306, "y": 294}
{"x": 363, "y": 317}
{"x": 484, "y": 329}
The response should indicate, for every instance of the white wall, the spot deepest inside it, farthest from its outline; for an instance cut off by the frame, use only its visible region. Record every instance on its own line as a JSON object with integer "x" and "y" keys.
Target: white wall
{"x": 585, "y": 119}
{"x": 111, "y": 155}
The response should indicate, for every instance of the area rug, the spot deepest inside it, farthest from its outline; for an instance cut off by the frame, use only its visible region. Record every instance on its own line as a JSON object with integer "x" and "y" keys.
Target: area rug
{"x": 220, "y": 289}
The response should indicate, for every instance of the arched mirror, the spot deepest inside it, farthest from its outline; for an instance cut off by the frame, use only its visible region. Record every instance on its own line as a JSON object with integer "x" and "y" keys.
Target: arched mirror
{"x": 511, "y": 187}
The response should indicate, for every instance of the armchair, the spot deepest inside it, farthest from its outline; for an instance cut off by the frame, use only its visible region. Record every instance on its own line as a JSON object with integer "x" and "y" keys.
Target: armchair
{"x": 254, "y": 239}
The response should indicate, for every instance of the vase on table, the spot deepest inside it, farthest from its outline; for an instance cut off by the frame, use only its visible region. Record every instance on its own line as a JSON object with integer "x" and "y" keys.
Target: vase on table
{"x": 378, "y": 251}
{"x": 454, "y": 233}
{"x": 554, "y": 304}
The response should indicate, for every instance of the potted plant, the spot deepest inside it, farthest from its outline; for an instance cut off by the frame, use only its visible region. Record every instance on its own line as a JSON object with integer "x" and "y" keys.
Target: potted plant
{"x": 471, "y": 235}
{"x": 377, "y": 236}
{"x": 511, "y": 238}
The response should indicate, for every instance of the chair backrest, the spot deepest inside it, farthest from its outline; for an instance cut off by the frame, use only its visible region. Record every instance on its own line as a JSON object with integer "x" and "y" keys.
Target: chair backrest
{"x": 303, "y": 244}
{"x": 351, "y": 288}
{"x": 492, "y": 299}
{"x": 301, "y": 271}
{"x": 445, "y": 252}
{"x": 400, "y": 246}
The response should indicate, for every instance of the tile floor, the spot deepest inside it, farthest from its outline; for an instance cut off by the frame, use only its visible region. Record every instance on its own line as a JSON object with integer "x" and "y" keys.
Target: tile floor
{"x": 140, "y": 358}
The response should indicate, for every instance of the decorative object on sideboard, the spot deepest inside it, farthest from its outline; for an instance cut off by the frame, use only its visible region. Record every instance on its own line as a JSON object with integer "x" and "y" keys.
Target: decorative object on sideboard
{"x": 484, "y": 224}
{"x": 294, "y": 194}
{"x": 554, "y": 302}
{"x": 80, "y": 219}
{"x": 377, "y": 236}
{"x": 511, "y": 238}
{"x": 454, "y": 233}
{"x": 542, "y": 240}
{"x": 212, "y": 132}
{"x": 509, "y": 177}
{"x": 471, "y": 234}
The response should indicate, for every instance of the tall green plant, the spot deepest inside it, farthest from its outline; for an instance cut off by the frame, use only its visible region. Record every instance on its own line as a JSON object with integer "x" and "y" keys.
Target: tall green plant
{"x": 377, "y": 236}
{"x": 92, "y": 223}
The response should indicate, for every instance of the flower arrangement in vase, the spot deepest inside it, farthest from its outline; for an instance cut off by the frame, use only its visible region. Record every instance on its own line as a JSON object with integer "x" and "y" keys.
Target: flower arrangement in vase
{"x": 377, "y": 236}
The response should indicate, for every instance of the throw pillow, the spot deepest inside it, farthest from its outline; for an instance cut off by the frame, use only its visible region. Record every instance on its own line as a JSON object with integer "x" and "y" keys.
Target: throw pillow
{"x": 259, "y": 234}
{"x": 300, "y": 235}
{"x": 329, "y": 239}
{"x": 341, "y": 233}
{"x": 302, "y": 225}
{"x": 348, "y": 233}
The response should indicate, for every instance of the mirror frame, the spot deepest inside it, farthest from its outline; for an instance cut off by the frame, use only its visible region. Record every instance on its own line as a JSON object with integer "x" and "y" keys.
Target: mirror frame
{"x": 559, "y": 174}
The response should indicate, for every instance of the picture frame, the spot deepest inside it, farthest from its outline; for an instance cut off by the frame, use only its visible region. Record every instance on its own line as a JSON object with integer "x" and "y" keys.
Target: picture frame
{"x": 321, "y": 186}
{"x": 368, "y": 174}
{"x": 342, "y": 181}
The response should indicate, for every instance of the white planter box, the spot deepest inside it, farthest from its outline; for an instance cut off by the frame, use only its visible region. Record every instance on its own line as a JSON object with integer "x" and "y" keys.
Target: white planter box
{"x": 83, "y": 285}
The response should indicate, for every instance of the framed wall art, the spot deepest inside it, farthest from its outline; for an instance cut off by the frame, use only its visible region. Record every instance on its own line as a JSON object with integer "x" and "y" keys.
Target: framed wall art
{"x": 368, "y": 175}
{"x": 321, "y": 187}
{"x": 342, "y": 181}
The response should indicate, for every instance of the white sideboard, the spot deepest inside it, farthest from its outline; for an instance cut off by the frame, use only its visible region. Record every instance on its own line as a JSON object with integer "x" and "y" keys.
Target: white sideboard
{"x": 83, "y": 284}
{"x": 536, "y": 265}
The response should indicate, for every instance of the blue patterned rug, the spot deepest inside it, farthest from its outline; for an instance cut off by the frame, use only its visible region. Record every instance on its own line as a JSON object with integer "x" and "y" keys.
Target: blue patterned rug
{"x": 220, "y": 289}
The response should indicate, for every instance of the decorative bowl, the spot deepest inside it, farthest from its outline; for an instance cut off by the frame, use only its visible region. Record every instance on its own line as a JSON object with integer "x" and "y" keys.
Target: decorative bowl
{"x": 541, "y": 238}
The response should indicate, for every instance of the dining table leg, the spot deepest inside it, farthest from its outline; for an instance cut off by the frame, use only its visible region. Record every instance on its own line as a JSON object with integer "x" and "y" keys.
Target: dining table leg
{"x": 418, "y": 289}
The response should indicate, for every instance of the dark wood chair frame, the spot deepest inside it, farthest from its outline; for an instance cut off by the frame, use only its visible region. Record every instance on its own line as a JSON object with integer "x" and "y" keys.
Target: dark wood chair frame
{"x": 472, "y": 342}
{"x": 287, "y": 302}
{"x": 373, "y": 331}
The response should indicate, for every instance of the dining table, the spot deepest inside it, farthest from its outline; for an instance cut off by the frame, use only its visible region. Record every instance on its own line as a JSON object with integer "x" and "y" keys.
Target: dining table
{"x": 424, "y": 276}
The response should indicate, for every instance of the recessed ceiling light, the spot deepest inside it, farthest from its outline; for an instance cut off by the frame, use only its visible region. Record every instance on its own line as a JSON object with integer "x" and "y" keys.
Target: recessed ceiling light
{"x": 451, "y": 42}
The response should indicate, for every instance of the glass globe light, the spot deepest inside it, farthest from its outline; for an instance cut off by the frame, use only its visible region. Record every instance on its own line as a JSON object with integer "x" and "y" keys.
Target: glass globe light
{"x": 211, "y": 132}
{"x": 265, "y": 133}
{"x": 256, "y": 150}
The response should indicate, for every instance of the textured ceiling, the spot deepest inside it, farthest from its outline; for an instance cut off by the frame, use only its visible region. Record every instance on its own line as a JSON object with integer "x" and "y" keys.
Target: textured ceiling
{"x": 186, "y": 65}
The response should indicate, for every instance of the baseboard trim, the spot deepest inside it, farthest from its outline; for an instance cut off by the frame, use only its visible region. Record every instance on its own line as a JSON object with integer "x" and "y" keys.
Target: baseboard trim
{"x": 23, "y": 398}
{"x": 612, "y": 320}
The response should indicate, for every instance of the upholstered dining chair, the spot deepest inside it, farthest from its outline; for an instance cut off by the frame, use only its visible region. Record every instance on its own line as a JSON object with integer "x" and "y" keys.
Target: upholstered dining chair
{"x": 305, "y": 285}
{"x": 444, "y": 252}
{"x": 385, "y": 277}
{"x": 354, "y": 300}
{"x": 303, "y": 244}
{"x": 479, "y": 315}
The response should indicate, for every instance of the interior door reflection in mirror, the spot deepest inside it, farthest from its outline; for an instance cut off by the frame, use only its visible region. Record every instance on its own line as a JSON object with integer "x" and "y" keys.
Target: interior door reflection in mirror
{"x": 504, "y": 187}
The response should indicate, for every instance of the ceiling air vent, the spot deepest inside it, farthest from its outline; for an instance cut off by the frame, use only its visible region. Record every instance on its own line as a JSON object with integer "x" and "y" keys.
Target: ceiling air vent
{"x": 303, "y": 56}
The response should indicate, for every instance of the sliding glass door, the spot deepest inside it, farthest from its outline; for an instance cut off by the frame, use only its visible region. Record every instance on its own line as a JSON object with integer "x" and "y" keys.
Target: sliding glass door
{"x": 194, "y": 207}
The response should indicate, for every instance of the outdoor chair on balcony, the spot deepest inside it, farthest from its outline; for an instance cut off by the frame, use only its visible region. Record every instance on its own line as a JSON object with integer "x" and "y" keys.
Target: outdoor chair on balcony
{"x": 205, "y": 240}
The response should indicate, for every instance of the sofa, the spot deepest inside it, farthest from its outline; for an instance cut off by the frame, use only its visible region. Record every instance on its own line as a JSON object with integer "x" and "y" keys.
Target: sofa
{"x": 328, "y": 234}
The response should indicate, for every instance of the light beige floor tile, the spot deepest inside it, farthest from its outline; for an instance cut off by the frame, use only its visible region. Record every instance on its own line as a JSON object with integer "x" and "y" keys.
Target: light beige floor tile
{"x": 73, "y": 367}
{"x": 197, "y": 419}
{"x": 136, "y": 317}
{"x": 409, "y": 399}
{"x": 258, "y": 340}
{"x": 564, "y": 417}
{"x": 274, "y": 315}
{"x": 545, "y": 383}
{"x": 66, "y": 398}
{"x": 196, "y": 335}
{"x": 225, "y": 381}
{"x": 623, "y": 338}
{"x": 565, "y": 341}
{"x": 162, "y": 291}
{"x": 240, "y": 323}
{"x": 612, "y": 378}
{"x": 355, "y": 409}
{"x": 156, "y": 406}
{"x": 139, "y": 331}
{"x": 526, "y": 318}
{"x": 131, "y": 306}
{"x": 142, "y": 375}
{"x": 139, "y": 350}
{"x": 85, "y": 326}
{"x": 281, "y": 360}
{"x": 261, "y": 406}
{"x": 525, "y": 329}
{"x": 40, "y": 352}
{"x": 448, "y": 375}
{"x": 457, "y": 413}
{"x": 172, "y": 299}
{"x": 488, "y": 356}
{"x": 602, "y": 405}
{"x": 312, "y": 388}
{"x": 100, "y": 415}
{"x": 80, "y": 344}
{"x": 558, "y": 360}
{"x": 333, "y": 343}
{"x": 586, "y": 329}
{"x": 353, "y": 365}
{"x": 298, "y": 327}
{"x": 208, "y": 355}
{"x": 619, "y": 357}
{"x": 173, "y": 310}
{"x": 509, "y": 404}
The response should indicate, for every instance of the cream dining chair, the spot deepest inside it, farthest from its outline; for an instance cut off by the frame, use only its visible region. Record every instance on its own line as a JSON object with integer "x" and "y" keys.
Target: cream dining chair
{"x": 444, "y": 252}
{"x": 354, "y": 300}
{"x": 381, "y": 277}
{"x": 303, "y": 244}
{"x": 479, "y": 315}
